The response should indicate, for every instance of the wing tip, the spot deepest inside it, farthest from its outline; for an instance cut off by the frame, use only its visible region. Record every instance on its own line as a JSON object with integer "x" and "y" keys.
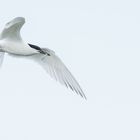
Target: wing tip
{"x": 83, "y": 95}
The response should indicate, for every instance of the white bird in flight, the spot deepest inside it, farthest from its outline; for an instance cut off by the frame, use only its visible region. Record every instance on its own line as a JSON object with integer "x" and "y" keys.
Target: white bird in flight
{"x": 12, "y": 43}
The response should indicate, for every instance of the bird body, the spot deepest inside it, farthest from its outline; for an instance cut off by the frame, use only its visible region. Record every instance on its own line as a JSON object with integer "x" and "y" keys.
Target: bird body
{"x": 17, "y": 48}
{"x": 12, "y": 43}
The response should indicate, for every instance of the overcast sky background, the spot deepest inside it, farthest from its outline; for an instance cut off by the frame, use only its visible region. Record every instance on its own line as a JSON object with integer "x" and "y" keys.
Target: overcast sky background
{"x": 99, "y": 41}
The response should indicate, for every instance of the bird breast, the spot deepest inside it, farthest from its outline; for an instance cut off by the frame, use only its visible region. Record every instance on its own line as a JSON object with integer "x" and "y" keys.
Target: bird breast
{"x": 17, "y": 47}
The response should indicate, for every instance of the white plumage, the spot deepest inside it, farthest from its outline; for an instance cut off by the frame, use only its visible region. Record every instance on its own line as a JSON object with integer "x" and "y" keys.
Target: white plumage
{"x": 12, "y": 43}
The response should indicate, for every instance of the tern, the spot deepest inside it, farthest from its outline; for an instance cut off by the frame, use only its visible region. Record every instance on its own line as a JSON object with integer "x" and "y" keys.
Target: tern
{"x": 12, "y": 43}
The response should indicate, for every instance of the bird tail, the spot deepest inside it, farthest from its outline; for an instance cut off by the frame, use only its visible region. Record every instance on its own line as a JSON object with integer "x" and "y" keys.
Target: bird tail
{"x": 1, "y": 58}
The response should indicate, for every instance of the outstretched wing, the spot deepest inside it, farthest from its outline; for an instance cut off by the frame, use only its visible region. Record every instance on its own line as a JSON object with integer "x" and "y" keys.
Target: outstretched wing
{"x": 57, "y": 70}
{"x": 1, "y": 58}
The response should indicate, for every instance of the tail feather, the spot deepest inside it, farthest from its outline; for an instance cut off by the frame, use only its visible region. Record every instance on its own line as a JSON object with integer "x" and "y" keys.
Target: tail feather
{"x": 1, "y": 58}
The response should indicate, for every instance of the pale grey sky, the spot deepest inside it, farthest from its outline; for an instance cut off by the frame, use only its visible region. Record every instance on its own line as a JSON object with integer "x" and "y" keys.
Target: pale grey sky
{"x": 99, "y": 42}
